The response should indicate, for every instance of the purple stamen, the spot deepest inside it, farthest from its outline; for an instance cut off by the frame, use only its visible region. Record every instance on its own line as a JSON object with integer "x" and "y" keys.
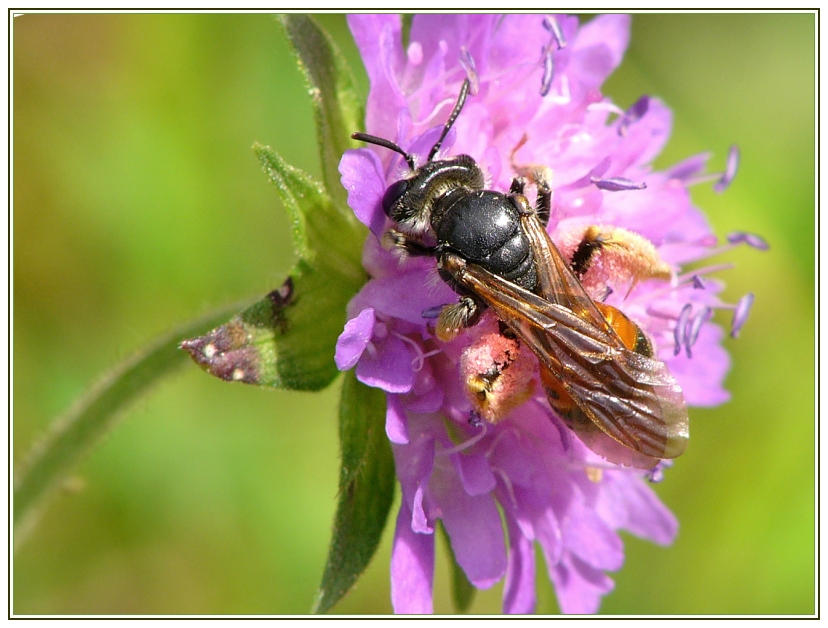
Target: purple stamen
{"x": 586, "y": 180}
{"x": 633, "y": 114}
{"x": 730, "y": 170}
{"x": 698, "y": 283}
{"x": 551, "y": 24}
{"x": 681, "y": 325}
{"x": 474, "y": 419}
{"x": 692, "y": 330}
{"x": 655, "y": 475}
{"x": 751, "y": 239}
{"x": 740, "y": 315}
{"x": 548, "y": 71}
{"x": 709, "y": 240}
{"x": 467, "y": 63}
{"x": 706, "y": 270}
{"x": 689, "y": 168}
{"x": 617, "y": 184}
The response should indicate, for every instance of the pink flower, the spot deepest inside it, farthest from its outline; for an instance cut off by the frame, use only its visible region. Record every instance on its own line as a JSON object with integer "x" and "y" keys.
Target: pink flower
{"x": 527, "y": 472}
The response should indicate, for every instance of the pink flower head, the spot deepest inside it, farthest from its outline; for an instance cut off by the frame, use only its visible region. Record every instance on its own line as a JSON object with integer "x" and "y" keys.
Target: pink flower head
{"x": 535, "y": 100}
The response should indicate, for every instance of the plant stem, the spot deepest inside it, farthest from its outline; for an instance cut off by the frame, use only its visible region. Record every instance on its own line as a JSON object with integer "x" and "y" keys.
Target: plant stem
{"x": 93, "y": 415}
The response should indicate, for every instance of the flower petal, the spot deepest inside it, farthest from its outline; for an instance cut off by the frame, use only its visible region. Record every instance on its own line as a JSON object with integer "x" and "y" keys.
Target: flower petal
{"x": 474, "y": 527}
{"x": 601, "y": 44}
{"x": 519, "y": 588}
{"x": 362, "y": 177}
{"x": 389, "y": 368}
{"x": 627, "y": 502}
{"x": 475, "y": 473}
{"x": 354, "y": 339}
{"x": 396, "y": 423}
{"x": 701, "y": 377}
{"x": 378, "y": 37}
{"x": 590, "y": 538}
{"x": 578, "y": 586}
{"x": 412, "y": 567}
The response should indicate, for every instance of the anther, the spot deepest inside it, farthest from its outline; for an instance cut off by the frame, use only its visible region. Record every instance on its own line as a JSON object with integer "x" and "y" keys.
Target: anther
{"x": 681, "y": 325}
{"x": 617, "y": 184}
{"x": 633, "y": 114}
{"x": 693, "y": 328}
{"x": 656, "y": 474}
{"x": 740, "y": 314}
{"x": 548, "y": 71}
{"x": 467, "y": 63}
{"x": 730, "y": 170}
{"x": 751, "y": 239}
{"x": 551, "y": 24}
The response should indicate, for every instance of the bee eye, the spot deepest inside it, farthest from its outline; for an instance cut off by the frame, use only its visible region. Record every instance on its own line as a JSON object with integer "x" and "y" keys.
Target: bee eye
{"x": 393, "y": 194}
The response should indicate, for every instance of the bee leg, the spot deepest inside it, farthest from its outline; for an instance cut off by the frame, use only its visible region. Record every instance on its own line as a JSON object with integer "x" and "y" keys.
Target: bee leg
{"x": 543, "y": 203}
{"x": 394, "y": 239}
{"x": 592, "y": 242}
{"x": 455, "y": 317}
{"x": 518, "y": 185}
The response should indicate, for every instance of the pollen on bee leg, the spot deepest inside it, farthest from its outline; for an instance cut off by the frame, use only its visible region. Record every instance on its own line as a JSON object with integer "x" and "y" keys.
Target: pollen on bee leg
{"x": 497, "y": 375}
{"x": 602, "y": 254}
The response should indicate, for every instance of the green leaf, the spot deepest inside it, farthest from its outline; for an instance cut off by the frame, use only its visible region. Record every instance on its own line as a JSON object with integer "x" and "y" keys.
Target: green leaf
{"x": 337, "y": 108}
{"x": 462, "y": 591}
{"x": 283, "y": 341}
{"x": 92, "y": 417}
{"x": 366, "y": 490}
{"x": 323, "y": 236}
{"x": 288, "y": 338}
{"x": 329, "y": 272}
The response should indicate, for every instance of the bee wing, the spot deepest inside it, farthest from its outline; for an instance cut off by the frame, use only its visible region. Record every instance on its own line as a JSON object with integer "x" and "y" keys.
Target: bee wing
{"x": 558, "y": 284}
{"x": 633, "y": 399}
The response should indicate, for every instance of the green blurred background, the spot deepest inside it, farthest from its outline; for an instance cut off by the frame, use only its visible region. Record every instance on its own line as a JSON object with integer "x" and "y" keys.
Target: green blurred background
{"x": 138, "y": 204}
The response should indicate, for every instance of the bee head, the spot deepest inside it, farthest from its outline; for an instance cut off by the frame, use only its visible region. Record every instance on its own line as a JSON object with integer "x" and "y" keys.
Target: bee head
{"x": 409, "y": 201}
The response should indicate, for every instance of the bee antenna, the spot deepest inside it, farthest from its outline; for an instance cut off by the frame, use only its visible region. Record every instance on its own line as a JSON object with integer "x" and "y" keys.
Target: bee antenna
{"x": 379, "y": 141}
{"x": 461, "y": 100}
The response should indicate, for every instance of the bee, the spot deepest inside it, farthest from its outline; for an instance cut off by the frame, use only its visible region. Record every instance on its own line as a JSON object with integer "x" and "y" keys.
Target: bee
{"x": 597, "y": 366}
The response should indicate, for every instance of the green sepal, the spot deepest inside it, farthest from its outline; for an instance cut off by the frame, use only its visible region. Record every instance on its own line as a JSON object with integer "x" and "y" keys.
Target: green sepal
{"x": 366, "y": 490}
{"x": 338, "y": 110}
{"x": 462, "y": 591}
{"x": 288, "y": 338}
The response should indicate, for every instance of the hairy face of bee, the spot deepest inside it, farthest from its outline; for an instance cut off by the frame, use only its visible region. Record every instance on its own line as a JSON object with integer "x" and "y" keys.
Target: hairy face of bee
{"x": 417, "y": 203}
